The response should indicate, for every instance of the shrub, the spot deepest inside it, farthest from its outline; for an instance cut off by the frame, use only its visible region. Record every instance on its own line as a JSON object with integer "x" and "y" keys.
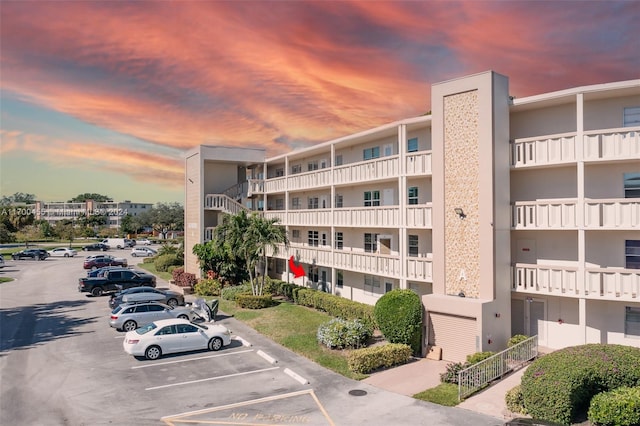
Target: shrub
{"x": 478, "y": 356}
{"x": 514, "y": 340}
{"x": 208, "y": 287}
{"x": 249, "y": 301}
{"x": 451, "y": 373}
{"x": 184, "y": 279}
{"x": 514, "y": 400}
{"x": 335, "y": 306}
{"x": 340, "y": 334}
{"x": 559, "y": 386}
{"x": 366, "y": 360}
{"x": 162, "y": 262}
{"x": 398, "y": 314}
{"x": 230, "y": 293}
{"x": 620, "y": 407}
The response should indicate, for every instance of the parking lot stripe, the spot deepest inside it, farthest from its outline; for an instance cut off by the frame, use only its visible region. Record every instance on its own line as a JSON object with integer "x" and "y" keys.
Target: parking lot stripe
{"x": 190, "y": 359}
{"x": 212, "y": 378}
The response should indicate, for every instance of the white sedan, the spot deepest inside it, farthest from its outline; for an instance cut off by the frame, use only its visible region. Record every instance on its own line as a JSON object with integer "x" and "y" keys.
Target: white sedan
{"x": 143, "y": 242}
{"x": 62, "y": 252}
{"x": 175, "y": 335}
{"x": 143, "y": 251}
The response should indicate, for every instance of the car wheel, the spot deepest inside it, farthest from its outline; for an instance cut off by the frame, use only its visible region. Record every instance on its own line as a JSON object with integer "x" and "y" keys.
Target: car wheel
{"x": 129, "y": 325}
{"x": 104, "y": 249}
{"x": 172, "y": 302}
{"x": 85, "y": 249}
{"x": 183, "y": 316}
{"x": 133, "y": 254}
{"x": 215, "y": 344}
{"x": 66, "y": 255}
{"x": 93, "y": 268}
{"x": 97, "y": 291}
{"x": 153, "y": 352}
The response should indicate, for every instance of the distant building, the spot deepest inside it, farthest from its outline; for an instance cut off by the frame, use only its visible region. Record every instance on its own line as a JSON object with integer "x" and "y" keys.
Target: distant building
{"x": 507, "y": 216}
{"x": 53, "y": 212}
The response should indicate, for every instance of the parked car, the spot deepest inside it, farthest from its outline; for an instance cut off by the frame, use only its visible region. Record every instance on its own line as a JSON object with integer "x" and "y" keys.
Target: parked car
{"x": 92, "y": 273}
{"x": 35, "y": 254}
{"x": 143, "y": 252}
{"x": 143, "y": 242}
{"x": 96, "y": 247}
{"x": 118, "y": 243}
{"x": 62, "y": 252}
{"x": 171, "y": 298}
{"x": 102, "y": 261}
{"x": 1, "y": 261}
{"x": 129, "y": 316}
{"x": 173, "y": 336}
{"x": 115, "y": 280}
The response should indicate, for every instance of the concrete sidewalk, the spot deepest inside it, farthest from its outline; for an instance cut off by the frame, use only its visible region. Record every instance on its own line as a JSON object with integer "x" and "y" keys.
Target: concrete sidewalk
{"x": 422, "y": 374}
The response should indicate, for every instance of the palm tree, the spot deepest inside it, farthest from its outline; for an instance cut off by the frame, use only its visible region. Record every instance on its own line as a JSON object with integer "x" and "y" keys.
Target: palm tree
{"x": 263, "y": 234}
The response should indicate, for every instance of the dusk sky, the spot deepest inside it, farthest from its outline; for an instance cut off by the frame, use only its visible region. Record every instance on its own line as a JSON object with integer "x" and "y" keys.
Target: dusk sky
{"x": 105, "y": 96}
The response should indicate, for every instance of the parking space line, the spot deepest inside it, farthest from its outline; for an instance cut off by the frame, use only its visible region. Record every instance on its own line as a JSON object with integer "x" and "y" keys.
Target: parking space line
{"x": 191, "y": 359}
{"x": 212, "y": 378}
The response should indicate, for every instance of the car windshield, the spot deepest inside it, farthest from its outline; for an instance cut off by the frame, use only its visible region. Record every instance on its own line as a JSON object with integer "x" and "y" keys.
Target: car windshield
{"x": 147, "y": 328}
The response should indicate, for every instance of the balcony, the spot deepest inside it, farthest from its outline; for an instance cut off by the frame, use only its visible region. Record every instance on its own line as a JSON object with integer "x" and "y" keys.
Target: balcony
{"x": 545, "y": 214}
{"x": 418, "y": 268}
{"x": 309, "y": 180}
{"x": 622, "y": 213}
{"x": 419, "y": 216}
{"x": 598, "y": 145}
{"x": 597, "y": 283}
{"x": 418, "y": 164}
{"x": 370, "y": 217}
{"x": 223, "y": 203}
{"x": 365, "y": 171}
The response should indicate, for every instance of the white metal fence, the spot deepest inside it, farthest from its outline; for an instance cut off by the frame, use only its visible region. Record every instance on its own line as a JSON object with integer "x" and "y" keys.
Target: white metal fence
{"x": 476, "y": 377}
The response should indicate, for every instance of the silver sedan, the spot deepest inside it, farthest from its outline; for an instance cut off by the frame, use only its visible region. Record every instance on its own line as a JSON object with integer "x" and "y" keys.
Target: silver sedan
{"x": 130, "y": 316}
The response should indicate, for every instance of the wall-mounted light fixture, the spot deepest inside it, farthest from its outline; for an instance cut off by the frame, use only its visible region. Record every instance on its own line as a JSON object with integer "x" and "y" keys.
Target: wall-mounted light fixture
{"x": 460, "y": 212}
{"x": 190, "y": 180}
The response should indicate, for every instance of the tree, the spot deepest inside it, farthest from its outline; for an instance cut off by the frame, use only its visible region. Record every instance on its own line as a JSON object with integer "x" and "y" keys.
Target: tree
{"x": 130, "y": 225}
{"x": 264, "y": 234}
{"x": 81, "y": 198}
{"x": 6, "y": 236}
{"x": 18, "y": 197}
{"x": 28, "y": 233}
{"x": 16, "y": 217}
{"x": 65, "y": 230}
{"x": 164, "y": 217}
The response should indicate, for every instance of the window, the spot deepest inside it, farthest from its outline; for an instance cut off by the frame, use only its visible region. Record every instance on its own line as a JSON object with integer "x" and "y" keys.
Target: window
{"x": 388, "y": 150}
{"x": 280, "y": 172}
{"x": 279, "y": 204}
{"x": 312, "y": 238}
{"x": 339, "y": 201}
{"x": 370, "y": 153}
{"x": 632, "y": 322}
{"x": 312, "y": 165}
{"x": 312, "y": 202}
{"x": 413, "y": 195}
{"x": 339, "y": 241}
{"x": 295, "y": 233}
{"x": 632, "y": 185}
{"x": 413, "y": 245}
{"x": 280, "y": 266}
{"x": 371, "y": 282}
{"x": 170, "y": 329}
{"x": 371, "y": 198}
{"x": 295, "y": 203}
{"x": 313, "y": 274}
{"x": 412, "y": 145}
{"x": 338, "y": 160}
{"x": 324, "y": 239}
{"x": 631, "y": 117}
{"x": 632, "y": 254}
{"x": 339, "y": 279}
{"x": 370, "y": 243}
{"x": 388, "y": 287}
{"x": 296, "y": 168}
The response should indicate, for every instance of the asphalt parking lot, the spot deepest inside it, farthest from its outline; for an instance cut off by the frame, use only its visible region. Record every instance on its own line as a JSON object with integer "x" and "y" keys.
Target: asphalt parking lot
{"x": 61, "y": 364}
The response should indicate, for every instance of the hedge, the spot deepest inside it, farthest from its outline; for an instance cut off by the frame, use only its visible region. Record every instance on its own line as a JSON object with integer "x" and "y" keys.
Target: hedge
{"x": 366, "y": 360}
{"x": 619, "y": 407}
{"x": 339, "y": 333}
{"x": 335, "y": 305}
{"x": 558, "y": 387}
{"x": 398, "y": 313}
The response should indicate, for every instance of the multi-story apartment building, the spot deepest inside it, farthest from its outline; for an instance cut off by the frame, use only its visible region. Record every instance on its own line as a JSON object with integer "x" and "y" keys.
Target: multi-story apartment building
{"x": 114, "y": 211}
{"x": 507, "y": 216}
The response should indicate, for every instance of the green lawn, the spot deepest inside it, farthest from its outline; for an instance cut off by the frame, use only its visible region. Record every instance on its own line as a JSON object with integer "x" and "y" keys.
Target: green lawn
{"x": 295, "y": 328}
{"x": 5, "y": 279}
{"x": 151, "y": 268}
{"x": 443, "y": 394}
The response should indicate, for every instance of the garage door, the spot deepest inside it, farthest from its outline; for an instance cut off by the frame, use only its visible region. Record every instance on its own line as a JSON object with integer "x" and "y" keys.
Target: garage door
{"x": 456, "y": 335}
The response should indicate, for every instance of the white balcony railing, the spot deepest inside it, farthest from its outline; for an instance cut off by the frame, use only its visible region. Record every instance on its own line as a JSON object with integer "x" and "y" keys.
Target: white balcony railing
{"x": 613, "y": 144}
{"x": 606, "y": 145}
{"x": 544, "y": 214}
{"x": 372, "y": 217}
{"x": 364, "y": 171}
{"x": 621, "y": 213}
{"x": 419, "y": 268}
{"x": 419, "y": 216}
{"x": 418, "y": 164}
{"x": 597, "y": 283}
{"x": 313, "y": 179}
{"x": 223, "y": 203}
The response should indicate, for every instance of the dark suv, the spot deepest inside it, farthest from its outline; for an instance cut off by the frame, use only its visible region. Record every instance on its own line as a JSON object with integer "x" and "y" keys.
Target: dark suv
{"x": 35, "y": 254}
